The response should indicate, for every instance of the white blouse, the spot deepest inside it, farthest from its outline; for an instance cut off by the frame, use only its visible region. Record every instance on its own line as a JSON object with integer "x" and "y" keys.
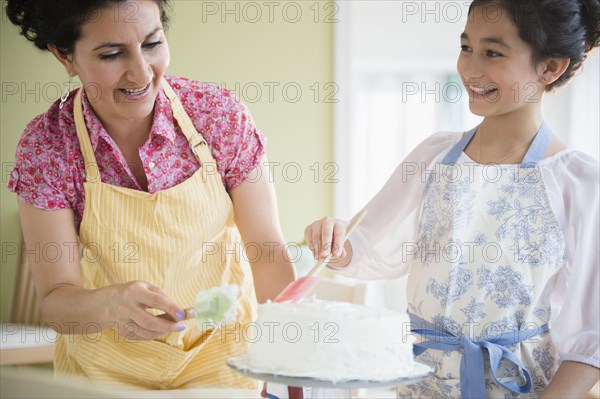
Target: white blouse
{"x": 572, "y": 182}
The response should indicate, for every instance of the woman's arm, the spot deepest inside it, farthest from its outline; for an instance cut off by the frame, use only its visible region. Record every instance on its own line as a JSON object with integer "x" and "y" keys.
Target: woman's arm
{"x": 256, "y": 215}
{"x": 572, "y": 380}
{"x": 53, "y": 255}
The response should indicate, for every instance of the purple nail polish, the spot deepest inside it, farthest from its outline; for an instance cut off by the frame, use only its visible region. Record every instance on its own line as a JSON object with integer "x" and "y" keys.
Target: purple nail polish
{"x": 180, "y": 314}
{"x": 180, "y": 326}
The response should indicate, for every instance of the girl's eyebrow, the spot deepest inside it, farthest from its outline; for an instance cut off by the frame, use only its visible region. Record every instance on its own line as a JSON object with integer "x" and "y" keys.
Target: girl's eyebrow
{"x": 112, "y": 44}
{"x": 490, "y": 40}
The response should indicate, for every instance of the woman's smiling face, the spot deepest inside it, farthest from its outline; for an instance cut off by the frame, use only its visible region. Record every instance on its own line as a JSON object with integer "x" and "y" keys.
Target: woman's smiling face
{"x": 120, "y": 58}
{"x": 495, "y": 64}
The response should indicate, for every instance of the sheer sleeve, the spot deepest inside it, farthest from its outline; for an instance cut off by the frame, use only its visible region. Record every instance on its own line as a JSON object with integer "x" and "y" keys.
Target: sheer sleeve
{"x": 386, "y": 237}
{"x": 573, "y": 186}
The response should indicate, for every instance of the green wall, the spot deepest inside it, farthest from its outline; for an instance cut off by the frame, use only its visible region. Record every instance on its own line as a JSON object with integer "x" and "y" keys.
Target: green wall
{"x": 278, "y": 56}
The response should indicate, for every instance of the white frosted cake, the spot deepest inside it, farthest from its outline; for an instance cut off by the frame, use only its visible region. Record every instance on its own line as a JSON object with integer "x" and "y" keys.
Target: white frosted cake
{"x": 334, "y": 341}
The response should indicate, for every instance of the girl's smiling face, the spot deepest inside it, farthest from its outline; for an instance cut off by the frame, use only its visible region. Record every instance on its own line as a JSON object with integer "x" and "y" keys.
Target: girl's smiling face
{"x": 495, "y": 65}
{"x": 120, "y": 58}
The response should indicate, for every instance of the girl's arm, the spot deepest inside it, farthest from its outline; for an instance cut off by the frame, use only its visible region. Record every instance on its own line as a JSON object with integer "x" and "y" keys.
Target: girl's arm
{"x": 386, "y": 239}
{"x": 256, "y": 215}
{"x": 576, "y": 293}
{"x": 572, "y": 380}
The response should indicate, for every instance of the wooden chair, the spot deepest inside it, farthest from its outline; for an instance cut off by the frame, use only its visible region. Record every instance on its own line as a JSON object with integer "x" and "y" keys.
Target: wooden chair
{"x": 25, "y": 339}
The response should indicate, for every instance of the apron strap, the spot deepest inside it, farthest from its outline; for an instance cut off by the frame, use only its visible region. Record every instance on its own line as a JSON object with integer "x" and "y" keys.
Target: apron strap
{"x": 452, "y": 157}
{"x": 195, "y": 139}
{"x": 92, "y": 173}
{"x": 534, "y": 154}
{"x": 539, "y": 147}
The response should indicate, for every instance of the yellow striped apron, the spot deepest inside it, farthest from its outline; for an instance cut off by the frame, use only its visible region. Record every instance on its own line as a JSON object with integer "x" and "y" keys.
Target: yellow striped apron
{"x": 182, "y": 239}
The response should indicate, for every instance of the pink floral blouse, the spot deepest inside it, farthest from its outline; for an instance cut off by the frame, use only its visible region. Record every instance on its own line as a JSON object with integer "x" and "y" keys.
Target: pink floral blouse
{"x": 49, "y": 167}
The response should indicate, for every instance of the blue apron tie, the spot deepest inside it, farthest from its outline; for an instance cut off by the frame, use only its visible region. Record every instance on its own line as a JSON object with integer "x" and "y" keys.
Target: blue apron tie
{"x": 535, "y": 153}
{"x": 472, "y": 378}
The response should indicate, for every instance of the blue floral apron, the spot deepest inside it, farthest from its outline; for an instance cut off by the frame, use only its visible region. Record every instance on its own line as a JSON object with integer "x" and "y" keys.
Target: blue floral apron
{"x": 479, "y": 288}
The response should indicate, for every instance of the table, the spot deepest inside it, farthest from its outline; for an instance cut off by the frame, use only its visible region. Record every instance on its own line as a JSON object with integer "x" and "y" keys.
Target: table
{"x": 26, "y": 344}
{"x": 27, "y": 382}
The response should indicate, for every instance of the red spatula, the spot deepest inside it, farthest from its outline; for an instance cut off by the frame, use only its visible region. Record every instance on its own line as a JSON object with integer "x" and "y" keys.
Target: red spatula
{"x": 298, "y": 289}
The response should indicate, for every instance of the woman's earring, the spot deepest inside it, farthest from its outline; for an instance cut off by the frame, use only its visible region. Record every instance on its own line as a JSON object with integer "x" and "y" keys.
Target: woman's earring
{"x": 545, "y": 80}
{"x": 65, "y": 96}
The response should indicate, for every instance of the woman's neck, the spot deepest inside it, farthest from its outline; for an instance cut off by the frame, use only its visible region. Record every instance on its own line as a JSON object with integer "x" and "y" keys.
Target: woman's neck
{"x": 129, "y": 133}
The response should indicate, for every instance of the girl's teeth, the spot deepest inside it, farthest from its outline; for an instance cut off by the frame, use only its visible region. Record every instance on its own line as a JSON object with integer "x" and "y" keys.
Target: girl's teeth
{"x": 479, "y": 90}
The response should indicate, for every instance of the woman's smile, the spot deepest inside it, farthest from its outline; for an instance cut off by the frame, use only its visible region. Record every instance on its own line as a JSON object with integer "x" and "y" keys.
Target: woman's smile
{"x": 135, "y": 94}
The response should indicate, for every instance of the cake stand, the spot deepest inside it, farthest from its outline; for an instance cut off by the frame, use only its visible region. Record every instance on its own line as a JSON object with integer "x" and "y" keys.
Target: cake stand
{"x": 321, "y": 388}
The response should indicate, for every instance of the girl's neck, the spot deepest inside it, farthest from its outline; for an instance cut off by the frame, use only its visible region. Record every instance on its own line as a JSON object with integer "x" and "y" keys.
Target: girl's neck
{"x": 504, "y": 132}
{"x": 505, "y": 139}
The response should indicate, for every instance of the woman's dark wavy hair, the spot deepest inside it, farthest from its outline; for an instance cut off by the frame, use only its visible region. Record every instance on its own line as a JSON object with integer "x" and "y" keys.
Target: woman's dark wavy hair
{"x": 553, "y": 28}
{"x": 58, "y": 22}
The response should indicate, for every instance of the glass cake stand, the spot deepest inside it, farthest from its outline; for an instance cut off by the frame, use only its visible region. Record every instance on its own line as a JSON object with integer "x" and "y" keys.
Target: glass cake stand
{"x": 321, "y": 388}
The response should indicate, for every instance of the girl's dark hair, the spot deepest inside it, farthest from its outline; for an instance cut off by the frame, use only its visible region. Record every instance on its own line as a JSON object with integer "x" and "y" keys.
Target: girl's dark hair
{"x": 553, "y": 28}
{"x": 58, "y": 22}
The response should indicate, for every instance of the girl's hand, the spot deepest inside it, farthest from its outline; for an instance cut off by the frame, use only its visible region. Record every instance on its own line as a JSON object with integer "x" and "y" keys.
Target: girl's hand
{"x": 128, "y": 307}
{"x": 326, "y": 236}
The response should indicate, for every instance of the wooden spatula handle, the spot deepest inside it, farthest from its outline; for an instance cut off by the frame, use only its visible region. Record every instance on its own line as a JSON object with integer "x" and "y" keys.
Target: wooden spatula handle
{"x": 190, "y": 313}
{"x": 351, "y": 226}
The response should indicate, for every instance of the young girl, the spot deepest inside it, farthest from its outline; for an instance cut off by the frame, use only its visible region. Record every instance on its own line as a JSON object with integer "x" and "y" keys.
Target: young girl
{"x": 496, "y": 227}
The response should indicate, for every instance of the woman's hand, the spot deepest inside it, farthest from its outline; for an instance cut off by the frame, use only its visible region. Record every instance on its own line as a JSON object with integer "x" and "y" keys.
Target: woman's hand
{"x": 66, "y": 305}
{"x": 128, "y": 306}
{"x": 326, "y": 236}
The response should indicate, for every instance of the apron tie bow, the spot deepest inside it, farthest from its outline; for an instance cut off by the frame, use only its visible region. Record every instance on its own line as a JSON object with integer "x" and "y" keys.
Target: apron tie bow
{"x": 472, "y": 378}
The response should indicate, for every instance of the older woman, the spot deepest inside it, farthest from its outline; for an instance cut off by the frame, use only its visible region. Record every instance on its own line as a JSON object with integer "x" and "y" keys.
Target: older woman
{"x": 150, "y": 174}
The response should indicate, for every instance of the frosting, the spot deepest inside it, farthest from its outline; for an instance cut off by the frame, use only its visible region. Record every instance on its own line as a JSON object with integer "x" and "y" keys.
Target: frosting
{"x": 333, "y": 341}
{"x": 216, "y": 305}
